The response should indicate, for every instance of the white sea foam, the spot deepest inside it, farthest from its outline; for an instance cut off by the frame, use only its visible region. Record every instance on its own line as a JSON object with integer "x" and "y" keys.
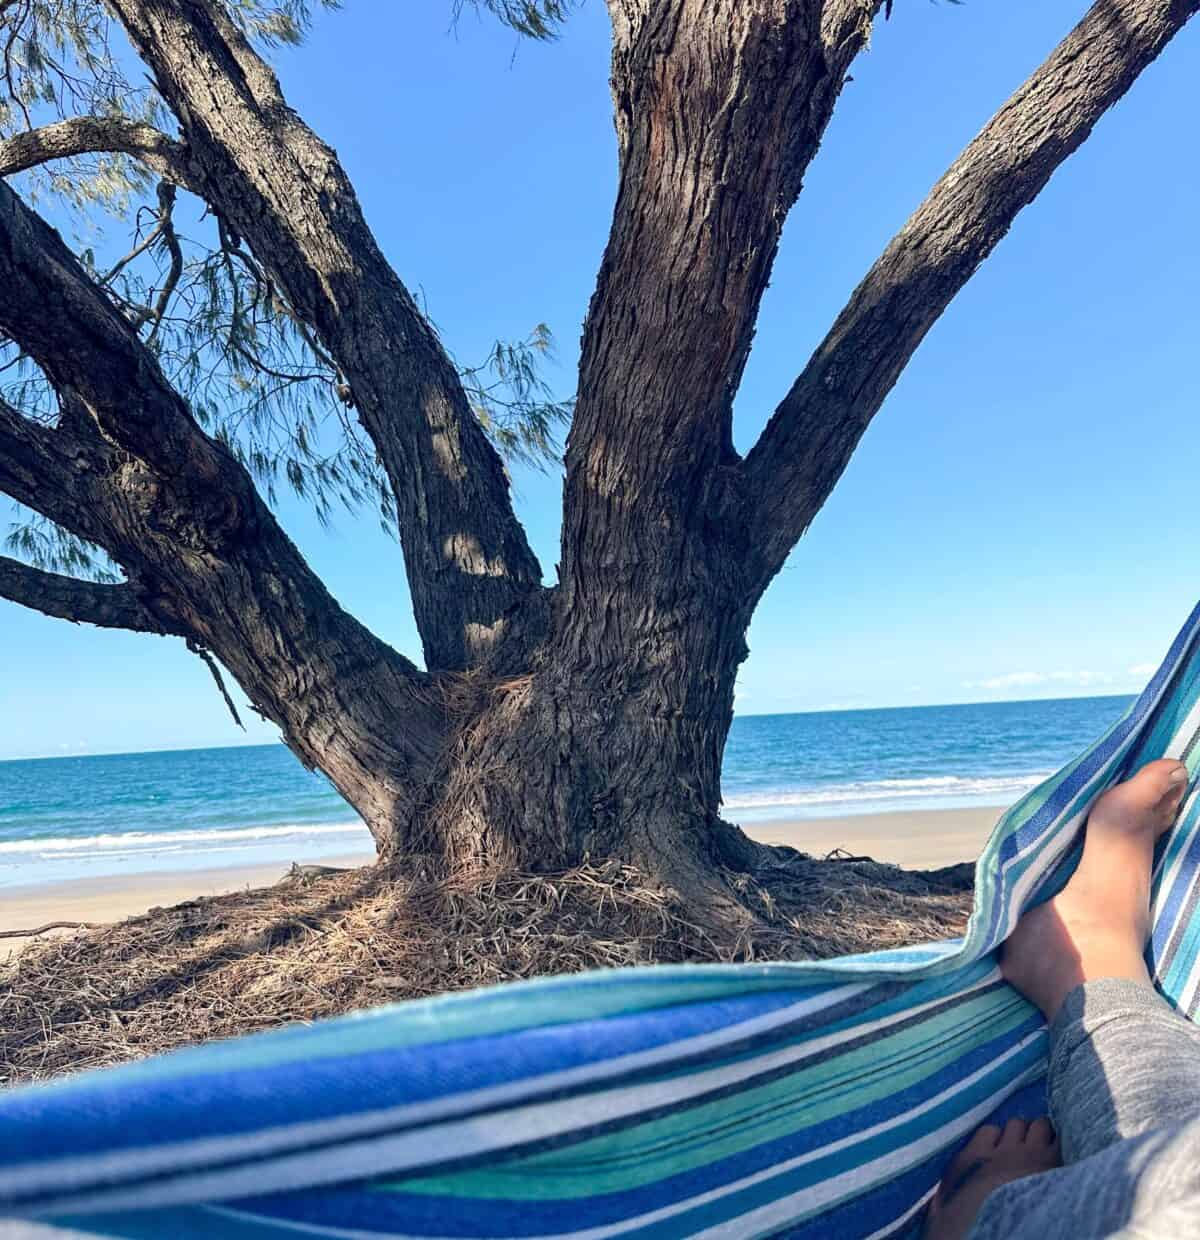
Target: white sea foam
{"x": 846, "y": 797}
{"x": 175, "y": 841}
{"x": 868, "y": 794}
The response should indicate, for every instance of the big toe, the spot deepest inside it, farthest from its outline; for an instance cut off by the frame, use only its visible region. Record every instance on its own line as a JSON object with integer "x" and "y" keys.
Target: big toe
{"x": 1150, "y": 799}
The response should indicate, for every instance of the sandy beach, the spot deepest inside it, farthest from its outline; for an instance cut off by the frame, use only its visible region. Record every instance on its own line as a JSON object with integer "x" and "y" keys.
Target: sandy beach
{"x": 924, "y": 839}
{"x": 920, "y": 839}
{"x": 117, "y": 896}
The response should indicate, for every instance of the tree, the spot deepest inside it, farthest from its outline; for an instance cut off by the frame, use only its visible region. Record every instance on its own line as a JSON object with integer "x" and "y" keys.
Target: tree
{"x": 550, "y": 723}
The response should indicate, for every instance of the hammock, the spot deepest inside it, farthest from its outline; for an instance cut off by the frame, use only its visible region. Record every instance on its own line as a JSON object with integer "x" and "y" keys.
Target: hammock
{"x": 805, "y": 1100}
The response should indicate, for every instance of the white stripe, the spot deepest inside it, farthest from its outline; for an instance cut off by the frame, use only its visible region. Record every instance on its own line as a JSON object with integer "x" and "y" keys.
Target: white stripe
{"x": 461, "y": 1138}
{"x": 69, "y": 1174}
{"x": 1167, "y": 873}
{"x": 940, "y": 1138}
{"x": 906, "y": 1217}
{"x": 1184, "y": 733}
{"x": 776, "y": 1214}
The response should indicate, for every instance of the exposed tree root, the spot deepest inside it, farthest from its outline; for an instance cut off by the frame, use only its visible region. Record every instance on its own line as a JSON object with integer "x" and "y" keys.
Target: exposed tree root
{"x": 323, "y": 944}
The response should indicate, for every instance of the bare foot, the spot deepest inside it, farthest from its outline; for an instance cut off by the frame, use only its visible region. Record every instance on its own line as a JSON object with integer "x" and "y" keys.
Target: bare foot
{"x": 989, "y": 1159}
{"x": 1097, "y": 926}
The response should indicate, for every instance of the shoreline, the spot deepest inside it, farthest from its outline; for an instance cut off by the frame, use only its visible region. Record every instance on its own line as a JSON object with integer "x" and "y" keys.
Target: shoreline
{"x": 914, "y": 839}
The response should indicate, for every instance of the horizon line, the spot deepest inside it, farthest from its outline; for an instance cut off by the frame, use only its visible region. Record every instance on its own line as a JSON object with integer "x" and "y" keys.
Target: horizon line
{"x": 771, "y": 714}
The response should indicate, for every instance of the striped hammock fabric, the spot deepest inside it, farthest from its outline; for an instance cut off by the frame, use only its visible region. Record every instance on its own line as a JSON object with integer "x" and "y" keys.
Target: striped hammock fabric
{"x": 803, "y": 1100}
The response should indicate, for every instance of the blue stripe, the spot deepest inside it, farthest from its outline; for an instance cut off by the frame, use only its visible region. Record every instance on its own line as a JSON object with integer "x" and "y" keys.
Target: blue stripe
{"x": 427, "y": 1213}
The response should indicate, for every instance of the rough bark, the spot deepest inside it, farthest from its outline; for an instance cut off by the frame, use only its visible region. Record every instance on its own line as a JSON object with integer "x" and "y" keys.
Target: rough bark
{"x": 48, "y": 470}
{"x": 86, "y": 135}
{"x": 566, "y": 764}
{"x": 809, "y": 441}
{"x": 282, "y": 189}
{"x": 81, "y": 602}
{"x": 719, "y": 109}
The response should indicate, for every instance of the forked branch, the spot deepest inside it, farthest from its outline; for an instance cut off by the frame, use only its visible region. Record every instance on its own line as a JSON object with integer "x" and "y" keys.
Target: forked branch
{"x": 129, "y": 469}
{"x": 808, "y": 442}
{"x": 282, "y": 189}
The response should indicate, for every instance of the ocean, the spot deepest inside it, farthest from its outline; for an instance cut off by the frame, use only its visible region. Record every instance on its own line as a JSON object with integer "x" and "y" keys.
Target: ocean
{"x": 63, "y": 818}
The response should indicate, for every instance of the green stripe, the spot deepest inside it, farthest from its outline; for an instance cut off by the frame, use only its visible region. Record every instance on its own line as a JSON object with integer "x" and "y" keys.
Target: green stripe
{"x": 696, "y": 1135}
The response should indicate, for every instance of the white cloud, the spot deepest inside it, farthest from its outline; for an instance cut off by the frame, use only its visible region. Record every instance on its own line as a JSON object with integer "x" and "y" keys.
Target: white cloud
{"x": 1082, "y": 678}
{"x": 1143, "y": 669}
{"x": 1025, "y": 680}
{"x": 1011, "y": 681}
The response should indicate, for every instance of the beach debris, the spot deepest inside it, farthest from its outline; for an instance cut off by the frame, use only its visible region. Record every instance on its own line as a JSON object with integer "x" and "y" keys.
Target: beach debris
{"x": 50, "y": 925}
{"x": 349, "y": 939}
{"x": 301, "y": 873}
{"x": 390, "y": 983}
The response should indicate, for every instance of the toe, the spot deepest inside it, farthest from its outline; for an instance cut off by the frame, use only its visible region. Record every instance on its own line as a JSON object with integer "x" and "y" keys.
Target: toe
{"x": 1162, "y": 780}
{"x": 1014, "y": 1133}
{"x": 1171, "y": 780}
{"x": 981, "y": 1144}
{"x": 1041, "y": 1133}
{"x": 1178, "y": 782}
{"x": 1147, "y": 801}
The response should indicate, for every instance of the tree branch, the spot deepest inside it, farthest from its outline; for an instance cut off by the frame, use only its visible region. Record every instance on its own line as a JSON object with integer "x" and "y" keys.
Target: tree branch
{"x": 720, "y": 107}
{"x": 50, "y": 471}
{"x": 218, "y": 679}
{"x": 808, "y": 442}
{"x": 81, "y": 602}
{"x": 63, "y": 321}
{"x": 166, "y": 229}
{"x": 284, "y": 191}
{"x": 130, "y": 469}
{"x": 89, "y": 135}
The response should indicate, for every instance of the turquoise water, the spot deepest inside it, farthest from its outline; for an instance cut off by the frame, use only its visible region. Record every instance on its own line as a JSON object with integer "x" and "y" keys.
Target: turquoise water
{"x": 72, "y": 817}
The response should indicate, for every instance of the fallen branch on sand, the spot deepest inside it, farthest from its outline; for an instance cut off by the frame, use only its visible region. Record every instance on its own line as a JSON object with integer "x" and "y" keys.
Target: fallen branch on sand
{"x": 300, "y": 873}
{"x": 840, "y": 854}
{"x": 50, "y": 925}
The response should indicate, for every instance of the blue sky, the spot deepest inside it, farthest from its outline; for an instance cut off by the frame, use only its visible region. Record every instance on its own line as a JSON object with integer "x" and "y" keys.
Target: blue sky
{"x": 1019, "y": 520}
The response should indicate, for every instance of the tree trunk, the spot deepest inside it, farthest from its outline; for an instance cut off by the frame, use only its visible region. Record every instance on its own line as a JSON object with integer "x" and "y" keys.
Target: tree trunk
{"x": 550, "y": 726}
{"x": 601, "y": 751}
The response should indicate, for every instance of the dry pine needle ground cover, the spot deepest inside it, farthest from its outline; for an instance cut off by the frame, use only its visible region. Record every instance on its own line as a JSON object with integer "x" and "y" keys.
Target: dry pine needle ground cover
{"x": 320, "y": 945}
